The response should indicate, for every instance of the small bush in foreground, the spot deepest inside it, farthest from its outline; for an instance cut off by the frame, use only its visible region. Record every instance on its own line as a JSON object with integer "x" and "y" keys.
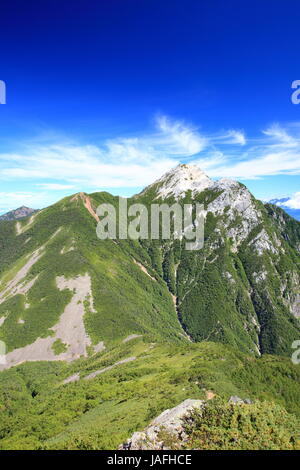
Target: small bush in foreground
{"x": 228, "y": 426}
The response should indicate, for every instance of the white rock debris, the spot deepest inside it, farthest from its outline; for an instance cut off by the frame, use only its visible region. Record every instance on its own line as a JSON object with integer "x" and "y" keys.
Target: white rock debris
{"x": 105, "y": 369}
{"x": 18, "y": 285}
{"x": 296, "y": 306}
{"x": 130, "y": 337}
{"x": 99, "y": 347}
{"x": 69, "y": 329}
{"x": 262, "y": 242}
{"x": 229, "y": 276}
{"x": 21, "y": 227}
{"x": 72, "y": 378}
{"x": 261, "y": 276}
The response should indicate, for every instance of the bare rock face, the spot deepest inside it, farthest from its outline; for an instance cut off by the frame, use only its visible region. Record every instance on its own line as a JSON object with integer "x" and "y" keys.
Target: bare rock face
{"x": 235, "y": 208}
{"x": 169, "y": 421}
{"x": 179, "y": 180}
{"x": 239, "y": 401}
{"x": 296, "y": 306}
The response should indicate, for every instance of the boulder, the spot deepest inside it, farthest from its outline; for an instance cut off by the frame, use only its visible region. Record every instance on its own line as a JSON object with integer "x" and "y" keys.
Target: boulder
{"x": 237, "y": 400}
{"x": 169, "y": 421}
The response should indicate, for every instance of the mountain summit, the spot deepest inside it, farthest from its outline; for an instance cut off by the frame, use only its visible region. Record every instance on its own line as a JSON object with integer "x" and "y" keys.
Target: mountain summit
{"x": 178, "y": 181}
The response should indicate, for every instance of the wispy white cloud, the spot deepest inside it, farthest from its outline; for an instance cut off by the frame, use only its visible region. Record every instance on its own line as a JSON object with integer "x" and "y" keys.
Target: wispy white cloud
{"x": 236, "y": 137}
{"x": 276, "y": 153}
{"x": 129, "y": 162}
{"x": 229, "y": 137}
{"x": 178, "y": 138}
{"x": 270, "y": 164}
{"x": 12, "y": 200}
{"x": 86, "y": 165}
{"x": 60, "y": 164}
{"x": 280, "y": 135}
{"x": 292, "y": 202}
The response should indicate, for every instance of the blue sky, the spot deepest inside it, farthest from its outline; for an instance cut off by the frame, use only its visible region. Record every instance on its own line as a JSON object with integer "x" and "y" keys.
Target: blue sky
{"x": 108, "y": 95}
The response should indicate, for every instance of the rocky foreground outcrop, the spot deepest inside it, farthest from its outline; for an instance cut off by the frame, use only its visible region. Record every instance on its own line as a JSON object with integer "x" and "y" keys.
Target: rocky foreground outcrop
{"x": 168, "y": 422}
{"x": 167, "y": 429}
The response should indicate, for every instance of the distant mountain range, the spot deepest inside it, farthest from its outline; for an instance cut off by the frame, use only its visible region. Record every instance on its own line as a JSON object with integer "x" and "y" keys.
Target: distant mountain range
{"x": 284, "y": 204}
{"x": 19, "y": 213}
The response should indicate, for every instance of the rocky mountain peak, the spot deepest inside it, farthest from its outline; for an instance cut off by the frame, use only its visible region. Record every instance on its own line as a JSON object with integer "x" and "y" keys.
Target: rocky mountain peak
{"x": 181, "y": 179}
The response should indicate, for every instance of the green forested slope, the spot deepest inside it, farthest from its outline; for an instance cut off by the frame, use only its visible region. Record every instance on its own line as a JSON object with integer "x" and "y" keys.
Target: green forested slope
{"x": 38, "y": 411}
{"x": 222, "y": 318}
{"x": 126, "y": 300}
{"x": 241, "y": 296}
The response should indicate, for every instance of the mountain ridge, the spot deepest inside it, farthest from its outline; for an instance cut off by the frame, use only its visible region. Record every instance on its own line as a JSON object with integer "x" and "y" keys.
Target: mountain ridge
{"x": 226, "y": 292}
{"x": 102, "y": 336}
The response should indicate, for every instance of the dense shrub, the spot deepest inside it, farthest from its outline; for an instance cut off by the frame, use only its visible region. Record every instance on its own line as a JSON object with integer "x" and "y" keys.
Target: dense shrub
{"x": 228, "y": 426}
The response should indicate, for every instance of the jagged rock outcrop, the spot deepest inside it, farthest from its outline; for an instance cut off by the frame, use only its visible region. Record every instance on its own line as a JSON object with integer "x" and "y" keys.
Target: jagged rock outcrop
{"x": 170, "y": 422}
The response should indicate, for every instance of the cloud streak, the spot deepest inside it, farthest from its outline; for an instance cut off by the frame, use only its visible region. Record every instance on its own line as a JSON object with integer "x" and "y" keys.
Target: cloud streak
{"x": 12, "y": 200}
{"x": 129, "y": 162}
{"x": 292, "y": 203}
{"x": 277, "y": 153}
{"x": 236, "y": 137}
{"x": 178, "y": 138}
{"x": 63, "y": 165}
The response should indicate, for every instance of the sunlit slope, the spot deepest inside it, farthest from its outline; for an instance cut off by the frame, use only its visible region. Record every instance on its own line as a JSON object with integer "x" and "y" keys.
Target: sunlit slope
{"x": 58, "y": 243}
{"x": 111, "y": 396}
{"x": 242, "y": 288}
